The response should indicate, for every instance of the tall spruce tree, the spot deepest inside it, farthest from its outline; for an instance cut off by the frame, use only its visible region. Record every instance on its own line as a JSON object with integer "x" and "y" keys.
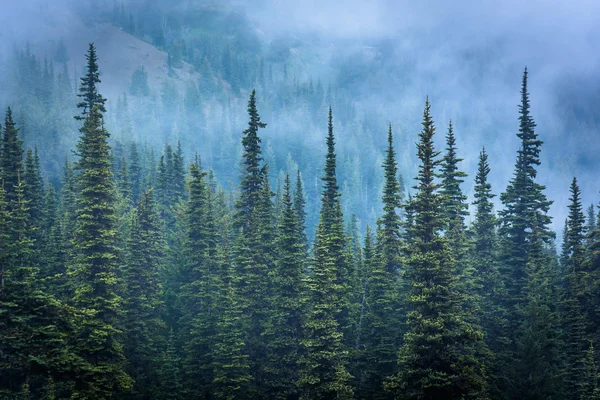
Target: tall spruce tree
{"x": 34, "y": 350}
{"x": 574, "y": 297}
{"x": 282, "y": 333}
{"x": 88, "y": 90}
{"x": 94, "y": 270}
{"x": 252, "y": 249}
{"x": 525, "y": 211}
{"x": 200, "y": 292}
{"x": 300, "y": 206}
{"x": 438, "y": 359}
{"x": 323, "y": 366}
{"x": 484, "y": 256}
{"x": 143, "y": 328}
{"x": 382, "y": 322}
{"x": 523, "y": 199}
{"x": 11, "y": 162}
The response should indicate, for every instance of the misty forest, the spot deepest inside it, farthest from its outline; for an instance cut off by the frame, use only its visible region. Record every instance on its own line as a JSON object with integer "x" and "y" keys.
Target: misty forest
{"x": 204, "y": 200}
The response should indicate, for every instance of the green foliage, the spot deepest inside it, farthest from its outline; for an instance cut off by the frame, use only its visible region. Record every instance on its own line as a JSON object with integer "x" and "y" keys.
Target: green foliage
{"x": 439, "y": 356}
{"x": 144, "y": 330}
{"x": 323, "y": 366}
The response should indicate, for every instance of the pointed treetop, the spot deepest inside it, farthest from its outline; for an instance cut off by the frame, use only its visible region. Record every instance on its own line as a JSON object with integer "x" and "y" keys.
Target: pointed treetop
{"x": 88, "y": 91}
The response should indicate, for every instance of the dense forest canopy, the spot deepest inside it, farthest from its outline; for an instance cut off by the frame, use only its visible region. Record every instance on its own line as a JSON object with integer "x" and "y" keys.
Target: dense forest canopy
{"x": 197, "y": 205}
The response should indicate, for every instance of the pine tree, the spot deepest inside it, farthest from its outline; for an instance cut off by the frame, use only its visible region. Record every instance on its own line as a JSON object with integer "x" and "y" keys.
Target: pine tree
{"x": 169, "y": 373}
{"x": 382, "y": 322}
{"x": 11, "y": 162}
{"x": 94, "y": 270}
{"x": 88, "y": 91}
{"x": 438, "y": 359}
{"x": 200, "y": 293}
{"x": 323, "y": 372}
{"x": 253, "y": 246}
{"x": 574, "y": 296}
{"x": 34, "y": 195}
{"x": 35, "y": 327}
{"x": 299, "y": 206}
{"x": 282, "y": 333}
{"x": 135, "y": 173}
{"x": 54, "y": 255}
{"x": 537, "y": 356}
{"x": 522, "y": 199}
{"x": 143, "y": 305}
{"x": 178, "y": 173}
{"x": 484, "y": 256}
{"x": 526, "y": 208}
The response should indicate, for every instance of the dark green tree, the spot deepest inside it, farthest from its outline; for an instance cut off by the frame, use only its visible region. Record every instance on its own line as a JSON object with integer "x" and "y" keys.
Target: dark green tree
{"x": 438, "y": 359}
{"x": 282, "y": 333}
{"x": 88, "y": 90}
{"x": 143, "y": 305}
{"x": 11, "y": 161}
{"x": 382, "y": 319}
{"x": 574, "y": 297}
{"x": 323, "y": 365}
{"x": 94, "y": 270}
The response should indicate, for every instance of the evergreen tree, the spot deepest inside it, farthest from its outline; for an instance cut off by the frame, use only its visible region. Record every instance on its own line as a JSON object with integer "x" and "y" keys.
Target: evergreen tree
{"x": 11, "y": 161}
{"x": 323, "y": 372}
{"x": 536, "y": 372}
{"x": 382, "y": 322}
{"x": 35, "y": 327}
{"x": 489, "y": 288}
{"x": 94, "y": 270}
{"x": 574, "y": 296}
{"x": 525, "y": 208}
{"x": 282, "y": 333}
{"x": 143, "y": 305}
{"x": 200, "y": 292}
{"x": 135, "y": 173}
{"x": 438, "y": 359}
{"x": 169, "y": 373}
{"x": 300, "y": 206}
{"x": 522, "y": 199}
{"x": 88, "y": 90}
{"x": 34, "y": 194}
{"x": 253, "y": 246}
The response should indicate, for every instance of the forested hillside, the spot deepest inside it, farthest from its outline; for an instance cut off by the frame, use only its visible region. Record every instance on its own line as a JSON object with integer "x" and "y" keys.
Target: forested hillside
{"x": 208, "y": 211}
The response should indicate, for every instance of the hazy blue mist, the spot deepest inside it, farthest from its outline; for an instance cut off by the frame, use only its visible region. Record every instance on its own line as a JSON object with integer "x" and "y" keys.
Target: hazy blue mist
{"x": 467, "y": 56}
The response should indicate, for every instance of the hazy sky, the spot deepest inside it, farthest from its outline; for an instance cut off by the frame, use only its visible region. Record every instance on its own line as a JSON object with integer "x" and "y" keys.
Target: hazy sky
{"x": 558, "y": 40}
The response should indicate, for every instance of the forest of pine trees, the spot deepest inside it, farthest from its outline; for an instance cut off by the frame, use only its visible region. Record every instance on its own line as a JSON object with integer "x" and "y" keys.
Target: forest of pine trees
{"x": 137, "y": 276}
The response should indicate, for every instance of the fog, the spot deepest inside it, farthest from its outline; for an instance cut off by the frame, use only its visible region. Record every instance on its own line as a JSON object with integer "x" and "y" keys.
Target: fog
{"x": 467, "y": 56}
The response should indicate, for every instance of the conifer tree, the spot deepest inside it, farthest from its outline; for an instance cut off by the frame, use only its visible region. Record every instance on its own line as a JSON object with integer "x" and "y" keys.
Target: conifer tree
{"x": 88, "y": 90}
{"x": 282, "y": 333}
{"x": 574, "y": 296}
{"x": 525, "y": 208}
{"x": 438, "y": 358}
{"x": 11, "y": 162}
{"x": 169, "y": 373}
{"x": 135, "y": 172}
{"x": 253, "y": 246}
{"x": 537, "y": 357}
{"x": 300, "y": 206}
{"x": 53, "y": 250}
{"x": 522, "y": 199}
{"x": 34, "y": 194}
{"x": 200, "y": 292}
{"x": 143, "y": 305}
{"x": 382, "y": 322}
{"x": 323, "y": 366}
{"x": 484, "y": 256}
{"x": 94, "y": 269}
{"x": 178, "y": 173}
{"x": 35, "y": 327}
